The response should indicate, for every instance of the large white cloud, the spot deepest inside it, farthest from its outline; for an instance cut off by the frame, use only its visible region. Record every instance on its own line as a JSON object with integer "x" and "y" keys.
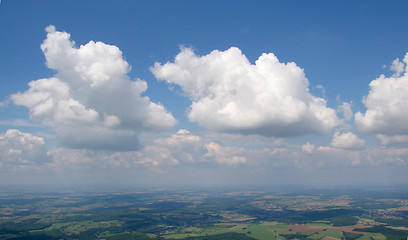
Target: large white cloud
{"x": 91, "y": 101}
{"x": 230, "y": 94}
{"x": 19, "y": 150}
{"x": 387, "y": 104}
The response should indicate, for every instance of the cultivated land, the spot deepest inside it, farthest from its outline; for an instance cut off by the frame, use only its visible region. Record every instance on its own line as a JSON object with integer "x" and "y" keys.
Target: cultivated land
{"x": 205, "y": 214}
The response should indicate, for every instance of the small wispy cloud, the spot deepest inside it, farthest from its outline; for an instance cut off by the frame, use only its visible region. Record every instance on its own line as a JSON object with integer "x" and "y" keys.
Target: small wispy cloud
{"x": 4, "y": 103}
{"x": 20, "y": 123}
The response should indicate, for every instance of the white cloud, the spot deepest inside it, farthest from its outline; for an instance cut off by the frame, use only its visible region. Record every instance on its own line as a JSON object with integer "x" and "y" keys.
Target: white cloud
{"x": 186, "y": 149}
{"x": 244, "y": 140}
{"x": 230, "y": 94}
{"x": 91, "y": 102}
{"x": 398, "y": 67}
{"x": 20, "y": 150}
{"x": 387, "y": 104}
{"x": 345, "y": 109}
{"x": 395, "y": 140}
{"x": 225, "y": 155}
{"x": 308, "y": 148}
{"x": 182, "y": 147}
{"x": 347, "y": 140}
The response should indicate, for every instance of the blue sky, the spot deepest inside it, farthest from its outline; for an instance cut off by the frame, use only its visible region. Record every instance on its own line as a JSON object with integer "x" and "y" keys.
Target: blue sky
{"x": 203, "y": 92}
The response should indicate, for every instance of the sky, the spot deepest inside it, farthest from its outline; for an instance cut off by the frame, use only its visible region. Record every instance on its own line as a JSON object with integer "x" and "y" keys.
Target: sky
{"x": 204, "y": 93}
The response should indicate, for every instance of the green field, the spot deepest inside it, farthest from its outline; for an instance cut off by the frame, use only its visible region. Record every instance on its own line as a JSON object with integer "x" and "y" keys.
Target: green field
{"x": 201, "y": 215}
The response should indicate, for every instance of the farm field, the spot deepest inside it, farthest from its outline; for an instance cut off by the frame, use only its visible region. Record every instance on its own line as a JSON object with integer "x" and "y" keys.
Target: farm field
{"x": 204, "y": 214}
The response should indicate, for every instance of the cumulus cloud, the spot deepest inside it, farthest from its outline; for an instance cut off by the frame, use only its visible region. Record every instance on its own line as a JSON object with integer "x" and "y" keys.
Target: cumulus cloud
{"x": 91, "y": 102}
{"x": 387, "y": 103}
{"x": 225, "y": 155}
{"x": 19, "y": 150}
{"x": 398, "y": 67}
{"x": 308, "y": 148}
{"x": 229, "y": 94}
{"x": 347, "y": 140}
{"x": 182, "y": 147}
{"x": 244, "y": 140}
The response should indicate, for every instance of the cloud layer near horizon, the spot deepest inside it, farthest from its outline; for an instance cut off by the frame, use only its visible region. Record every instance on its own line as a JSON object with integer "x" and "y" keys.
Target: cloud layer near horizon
{"x": 184, "y": 149}
{"x": 179, "y": 150}
{"x": 230, "y": 94}
{"x": 91, "y": 102}
{"x": 187, "y": 158}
